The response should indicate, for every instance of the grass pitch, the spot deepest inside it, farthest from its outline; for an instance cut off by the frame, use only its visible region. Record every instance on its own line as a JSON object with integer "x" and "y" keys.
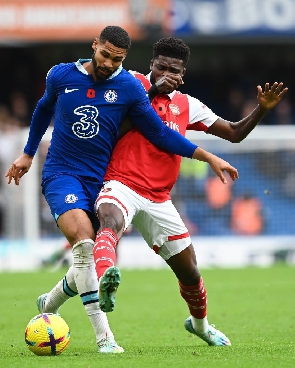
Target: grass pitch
{"x": 254, "y": 307}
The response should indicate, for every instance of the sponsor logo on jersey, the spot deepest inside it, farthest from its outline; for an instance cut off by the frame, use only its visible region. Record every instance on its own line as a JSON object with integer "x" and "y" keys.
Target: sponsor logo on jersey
{"x": 67, "y": 90}
{"x": 71, "y": 198}
{"x": 110, "y": 96}
{"x": 172, "y": 125}
{"x": 87, "y": 127}
{"x": 174, "y": 109}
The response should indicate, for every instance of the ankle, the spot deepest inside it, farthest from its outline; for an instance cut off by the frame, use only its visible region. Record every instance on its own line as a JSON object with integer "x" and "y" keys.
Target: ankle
{"x": 200, "y": 325}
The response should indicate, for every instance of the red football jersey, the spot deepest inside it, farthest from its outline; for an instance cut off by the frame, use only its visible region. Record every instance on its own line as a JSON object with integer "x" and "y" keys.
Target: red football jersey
{"x": 143, "y": 167}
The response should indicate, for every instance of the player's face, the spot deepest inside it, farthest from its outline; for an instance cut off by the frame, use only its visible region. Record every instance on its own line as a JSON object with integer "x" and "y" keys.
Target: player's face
{"x": 163, "y": 65}
{"x": 106, "y": 59}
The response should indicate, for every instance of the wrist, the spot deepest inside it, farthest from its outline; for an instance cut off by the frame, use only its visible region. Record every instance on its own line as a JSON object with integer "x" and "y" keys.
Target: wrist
{"x": 262, "y": 110}
{"x": 202, "y": 155}
{"x": 152, "y": 92}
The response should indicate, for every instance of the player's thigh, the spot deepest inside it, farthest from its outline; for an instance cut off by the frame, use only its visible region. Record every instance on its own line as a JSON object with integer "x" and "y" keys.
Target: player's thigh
{"x": 121, "y": 196}
{"x": 163, "y": 229}
{"x": 66, "y": 193}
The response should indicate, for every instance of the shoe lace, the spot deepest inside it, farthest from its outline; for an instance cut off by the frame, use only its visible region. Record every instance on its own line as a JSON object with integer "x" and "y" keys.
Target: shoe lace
{"x": 108, "y": 342}
{"x": 210, "y": 334}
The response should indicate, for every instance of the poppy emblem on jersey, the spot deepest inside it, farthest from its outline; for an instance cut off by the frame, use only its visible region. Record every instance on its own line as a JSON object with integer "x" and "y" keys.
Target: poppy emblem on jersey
{"x": 90, "y": 93}
{"x": 161, "y": 109}
{"x": 174, "y": 109}
{"x": 71, "y": 198}
{"x": 110, "y": 96}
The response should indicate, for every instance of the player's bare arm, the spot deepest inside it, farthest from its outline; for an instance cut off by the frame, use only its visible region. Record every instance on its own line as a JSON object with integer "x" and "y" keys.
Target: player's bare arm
{"x": 218, "y": 165}
{"x": 235, "y": 132}
{"x": 125, "y": 126}
{"x": 19, "y": 168}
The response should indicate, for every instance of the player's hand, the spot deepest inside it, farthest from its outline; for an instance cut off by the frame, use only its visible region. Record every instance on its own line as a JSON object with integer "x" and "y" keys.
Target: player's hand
{"x": 219, "y": 166}
{"x": 19, "y": 168}
{"x": 168, "y": 83}
{"x": 271, "y": 96}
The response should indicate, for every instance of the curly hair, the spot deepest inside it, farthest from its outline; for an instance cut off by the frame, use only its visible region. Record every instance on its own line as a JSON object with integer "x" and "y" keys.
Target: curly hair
{"x": 116, "y": 36}
{"x": 172, "y": 47}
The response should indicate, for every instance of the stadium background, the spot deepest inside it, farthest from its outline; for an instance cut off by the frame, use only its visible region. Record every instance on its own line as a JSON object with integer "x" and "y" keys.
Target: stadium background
{"x": 234, "y": 47}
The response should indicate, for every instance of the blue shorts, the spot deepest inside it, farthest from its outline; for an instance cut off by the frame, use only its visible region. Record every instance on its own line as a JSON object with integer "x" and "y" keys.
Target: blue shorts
{"x": 64, "y": 192}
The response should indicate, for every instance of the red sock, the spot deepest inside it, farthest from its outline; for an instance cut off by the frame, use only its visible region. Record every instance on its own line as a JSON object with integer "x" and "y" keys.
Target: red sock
{"x": 196, "y": 298}
{"x": 104, "y": 250}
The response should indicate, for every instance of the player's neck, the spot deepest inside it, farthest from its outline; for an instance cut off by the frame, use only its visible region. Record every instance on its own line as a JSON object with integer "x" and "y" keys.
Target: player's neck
{"x": 88, "y": 66}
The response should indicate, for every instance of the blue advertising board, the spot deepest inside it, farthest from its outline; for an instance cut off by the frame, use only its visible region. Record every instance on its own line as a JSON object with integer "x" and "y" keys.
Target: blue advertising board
{"x": 233, "y": 17}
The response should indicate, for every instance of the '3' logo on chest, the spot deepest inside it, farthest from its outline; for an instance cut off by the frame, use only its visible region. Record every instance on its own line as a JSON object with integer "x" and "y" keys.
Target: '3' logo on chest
{"x": 87, "y": 127}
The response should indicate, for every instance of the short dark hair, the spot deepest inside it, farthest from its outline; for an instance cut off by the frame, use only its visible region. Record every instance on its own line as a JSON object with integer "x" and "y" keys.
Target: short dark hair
{"x": 172, "y": 47}
{"x": 116, "y": 36}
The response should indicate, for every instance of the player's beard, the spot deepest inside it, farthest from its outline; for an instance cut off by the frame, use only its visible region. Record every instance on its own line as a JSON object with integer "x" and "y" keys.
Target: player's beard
{"x": 98, "y": 71}
{"x": 153, "y": 79}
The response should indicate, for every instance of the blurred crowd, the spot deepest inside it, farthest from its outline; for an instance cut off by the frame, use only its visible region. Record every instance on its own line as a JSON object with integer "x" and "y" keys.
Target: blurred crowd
{"x": 13, "y": 117}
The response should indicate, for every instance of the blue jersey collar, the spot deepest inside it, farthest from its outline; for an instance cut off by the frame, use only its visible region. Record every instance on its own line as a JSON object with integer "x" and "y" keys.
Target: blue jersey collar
{"x": 80, "y": 62}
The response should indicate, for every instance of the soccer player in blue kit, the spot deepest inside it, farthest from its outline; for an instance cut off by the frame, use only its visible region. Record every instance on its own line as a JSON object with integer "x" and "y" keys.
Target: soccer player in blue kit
{"x": 88, "y": 100}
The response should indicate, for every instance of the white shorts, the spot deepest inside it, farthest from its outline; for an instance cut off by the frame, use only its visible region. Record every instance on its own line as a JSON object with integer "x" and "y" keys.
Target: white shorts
{"x": 159, "y": 223}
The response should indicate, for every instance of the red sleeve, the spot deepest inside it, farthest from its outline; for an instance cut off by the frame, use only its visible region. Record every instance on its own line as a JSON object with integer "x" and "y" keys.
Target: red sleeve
{"x": 144, "y": 81}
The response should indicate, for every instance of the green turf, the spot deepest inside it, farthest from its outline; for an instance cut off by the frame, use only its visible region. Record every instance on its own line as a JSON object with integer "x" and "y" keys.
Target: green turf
{"x": 254, "y": 307}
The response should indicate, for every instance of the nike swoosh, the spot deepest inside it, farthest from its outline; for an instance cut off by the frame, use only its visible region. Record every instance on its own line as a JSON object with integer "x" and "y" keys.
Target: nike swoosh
{"x": 71, "y": 90}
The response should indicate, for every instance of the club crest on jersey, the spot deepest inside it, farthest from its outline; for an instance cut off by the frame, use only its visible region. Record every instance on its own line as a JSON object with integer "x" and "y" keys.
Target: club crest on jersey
{"x": 71, "y": 198}
{"x": 111, "y": 96}
{"x": 174, "y": 109}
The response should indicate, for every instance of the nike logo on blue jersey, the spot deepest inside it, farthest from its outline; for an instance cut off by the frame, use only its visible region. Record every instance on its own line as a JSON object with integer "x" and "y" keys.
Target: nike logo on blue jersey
{"x": 71, "y": 90}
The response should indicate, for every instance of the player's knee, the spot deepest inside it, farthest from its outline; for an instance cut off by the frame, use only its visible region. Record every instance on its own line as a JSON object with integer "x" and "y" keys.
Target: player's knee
{"x": 76, "y": 236}
{"x": 111, "y": 223}
{"x": 110, "y": 216}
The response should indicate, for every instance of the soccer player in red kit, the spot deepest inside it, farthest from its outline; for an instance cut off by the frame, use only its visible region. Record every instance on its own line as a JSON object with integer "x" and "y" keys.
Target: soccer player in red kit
{"x": 140, "y": 177}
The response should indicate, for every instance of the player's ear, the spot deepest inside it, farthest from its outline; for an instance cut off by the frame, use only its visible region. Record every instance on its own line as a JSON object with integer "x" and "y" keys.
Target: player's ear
{"x": 151, "y": 64}
{"x": 183, "y": 72}
{"x": 95, "y": 44}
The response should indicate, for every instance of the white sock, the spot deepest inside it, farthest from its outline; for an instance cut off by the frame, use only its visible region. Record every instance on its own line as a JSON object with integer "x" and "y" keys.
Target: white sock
{"x": 200, "y": 325}
{"x": 87, "y": 285}
{"x": 62, "y": 291}
{"x": 99, "y": 322}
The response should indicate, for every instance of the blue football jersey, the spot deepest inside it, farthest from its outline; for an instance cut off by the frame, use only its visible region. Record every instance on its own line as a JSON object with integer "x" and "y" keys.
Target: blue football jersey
{"x": 87, "y": 116}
